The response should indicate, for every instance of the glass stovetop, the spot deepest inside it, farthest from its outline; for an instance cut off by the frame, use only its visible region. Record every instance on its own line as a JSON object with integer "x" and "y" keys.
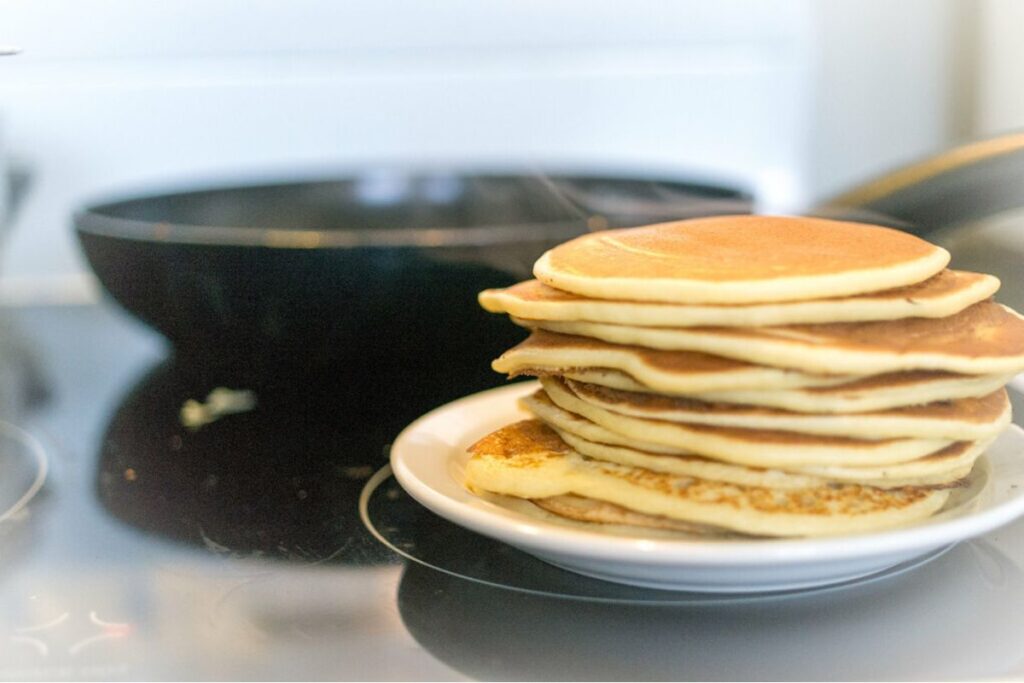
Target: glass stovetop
{"x": 235, "y": 549}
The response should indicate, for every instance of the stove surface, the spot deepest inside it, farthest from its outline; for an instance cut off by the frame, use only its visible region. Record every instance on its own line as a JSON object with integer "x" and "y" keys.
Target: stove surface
{"x": 231, "y": 546}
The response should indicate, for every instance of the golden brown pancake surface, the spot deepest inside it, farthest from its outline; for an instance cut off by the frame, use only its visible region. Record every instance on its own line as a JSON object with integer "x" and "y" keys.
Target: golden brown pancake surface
{"x": 982, "y": 409}
{"x": 690, "y": 362}
{"x": 739, "y": 259}
{"x": 986, "y": 338}
{"x": 984, "y": 329}
{"x": 887, "y": 380}
{"x": 737, "y": 248}
{"x": 582, "y": 509}
{"x": 519, "y": 439}
{"x": 574, "y": 351}
{"x": 827, "y": 509}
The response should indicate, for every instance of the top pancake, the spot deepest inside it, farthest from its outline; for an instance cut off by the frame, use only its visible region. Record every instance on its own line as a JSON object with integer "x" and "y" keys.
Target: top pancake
{"x": 739, "y": 259}
{"x": 939, "y": 296}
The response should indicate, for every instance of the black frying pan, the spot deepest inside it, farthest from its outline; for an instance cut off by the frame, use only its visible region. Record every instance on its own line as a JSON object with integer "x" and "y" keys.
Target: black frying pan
{"x": 380, "y": 269}
{"x": 385, "y": 267}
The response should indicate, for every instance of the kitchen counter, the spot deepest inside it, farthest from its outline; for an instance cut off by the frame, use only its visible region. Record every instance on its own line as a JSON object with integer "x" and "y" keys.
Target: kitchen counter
{"x": 236, "y": 550}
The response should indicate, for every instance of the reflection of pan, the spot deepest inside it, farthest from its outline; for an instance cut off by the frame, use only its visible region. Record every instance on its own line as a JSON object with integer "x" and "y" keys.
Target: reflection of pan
{"x": 279, "y": 480}
{"x": 374, "y": 268}
{"x": 954, "y": 618}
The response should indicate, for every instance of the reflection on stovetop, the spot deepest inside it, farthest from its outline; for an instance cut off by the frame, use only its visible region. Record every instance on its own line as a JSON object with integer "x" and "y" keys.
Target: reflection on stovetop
{"x": 277, "y": 475}
{"x": 891, "y": 629}
{"x": 24, "y": 466}
{"x": 23, "y": 384}
{"x": 134, "y": 563}
{"x": 24, "y": 463}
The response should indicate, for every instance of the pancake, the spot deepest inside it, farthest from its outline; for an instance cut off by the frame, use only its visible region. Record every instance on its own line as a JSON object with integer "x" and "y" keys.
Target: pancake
{"x": 755, "y": 447}
{"x": 985, "y": 338}
{"x": 528, "y": 460}
{"x": 564, "y": 420}
{"x": 947, "y": 467}
{"x": 875, "y": 392}
{"x": 593, "y": 511}
{"x": 688, "y": 465}
{"x": 960, "y": 420}
{"x": 667, "y": 371}
{"x": 942, "y": 295}
{"x": 587, "y": 438}
{"x": 739, "y": 259}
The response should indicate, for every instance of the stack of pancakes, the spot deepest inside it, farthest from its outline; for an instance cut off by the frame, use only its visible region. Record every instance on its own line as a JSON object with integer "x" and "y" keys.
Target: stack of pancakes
{"x": 750, "y": 375}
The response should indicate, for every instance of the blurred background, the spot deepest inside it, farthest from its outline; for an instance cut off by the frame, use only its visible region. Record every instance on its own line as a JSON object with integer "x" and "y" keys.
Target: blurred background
{"x": 792, "y": 101}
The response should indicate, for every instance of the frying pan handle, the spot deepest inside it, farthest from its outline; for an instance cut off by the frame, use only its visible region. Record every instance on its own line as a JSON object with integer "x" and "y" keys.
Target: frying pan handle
{"x": 959, "y": 186}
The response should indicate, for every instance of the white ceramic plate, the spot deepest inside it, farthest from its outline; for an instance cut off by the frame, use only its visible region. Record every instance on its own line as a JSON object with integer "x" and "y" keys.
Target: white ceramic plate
{"x": 428, "y": 458}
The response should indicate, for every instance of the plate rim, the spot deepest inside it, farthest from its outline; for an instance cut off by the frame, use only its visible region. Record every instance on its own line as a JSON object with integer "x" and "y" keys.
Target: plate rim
{"x": 527, "y": 532}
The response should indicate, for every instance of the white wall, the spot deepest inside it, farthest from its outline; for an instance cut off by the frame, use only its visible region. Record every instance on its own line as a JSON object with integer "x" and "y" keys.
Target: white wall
{"x": 885, "y": 87}
{"x": 1000, "y": 87}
